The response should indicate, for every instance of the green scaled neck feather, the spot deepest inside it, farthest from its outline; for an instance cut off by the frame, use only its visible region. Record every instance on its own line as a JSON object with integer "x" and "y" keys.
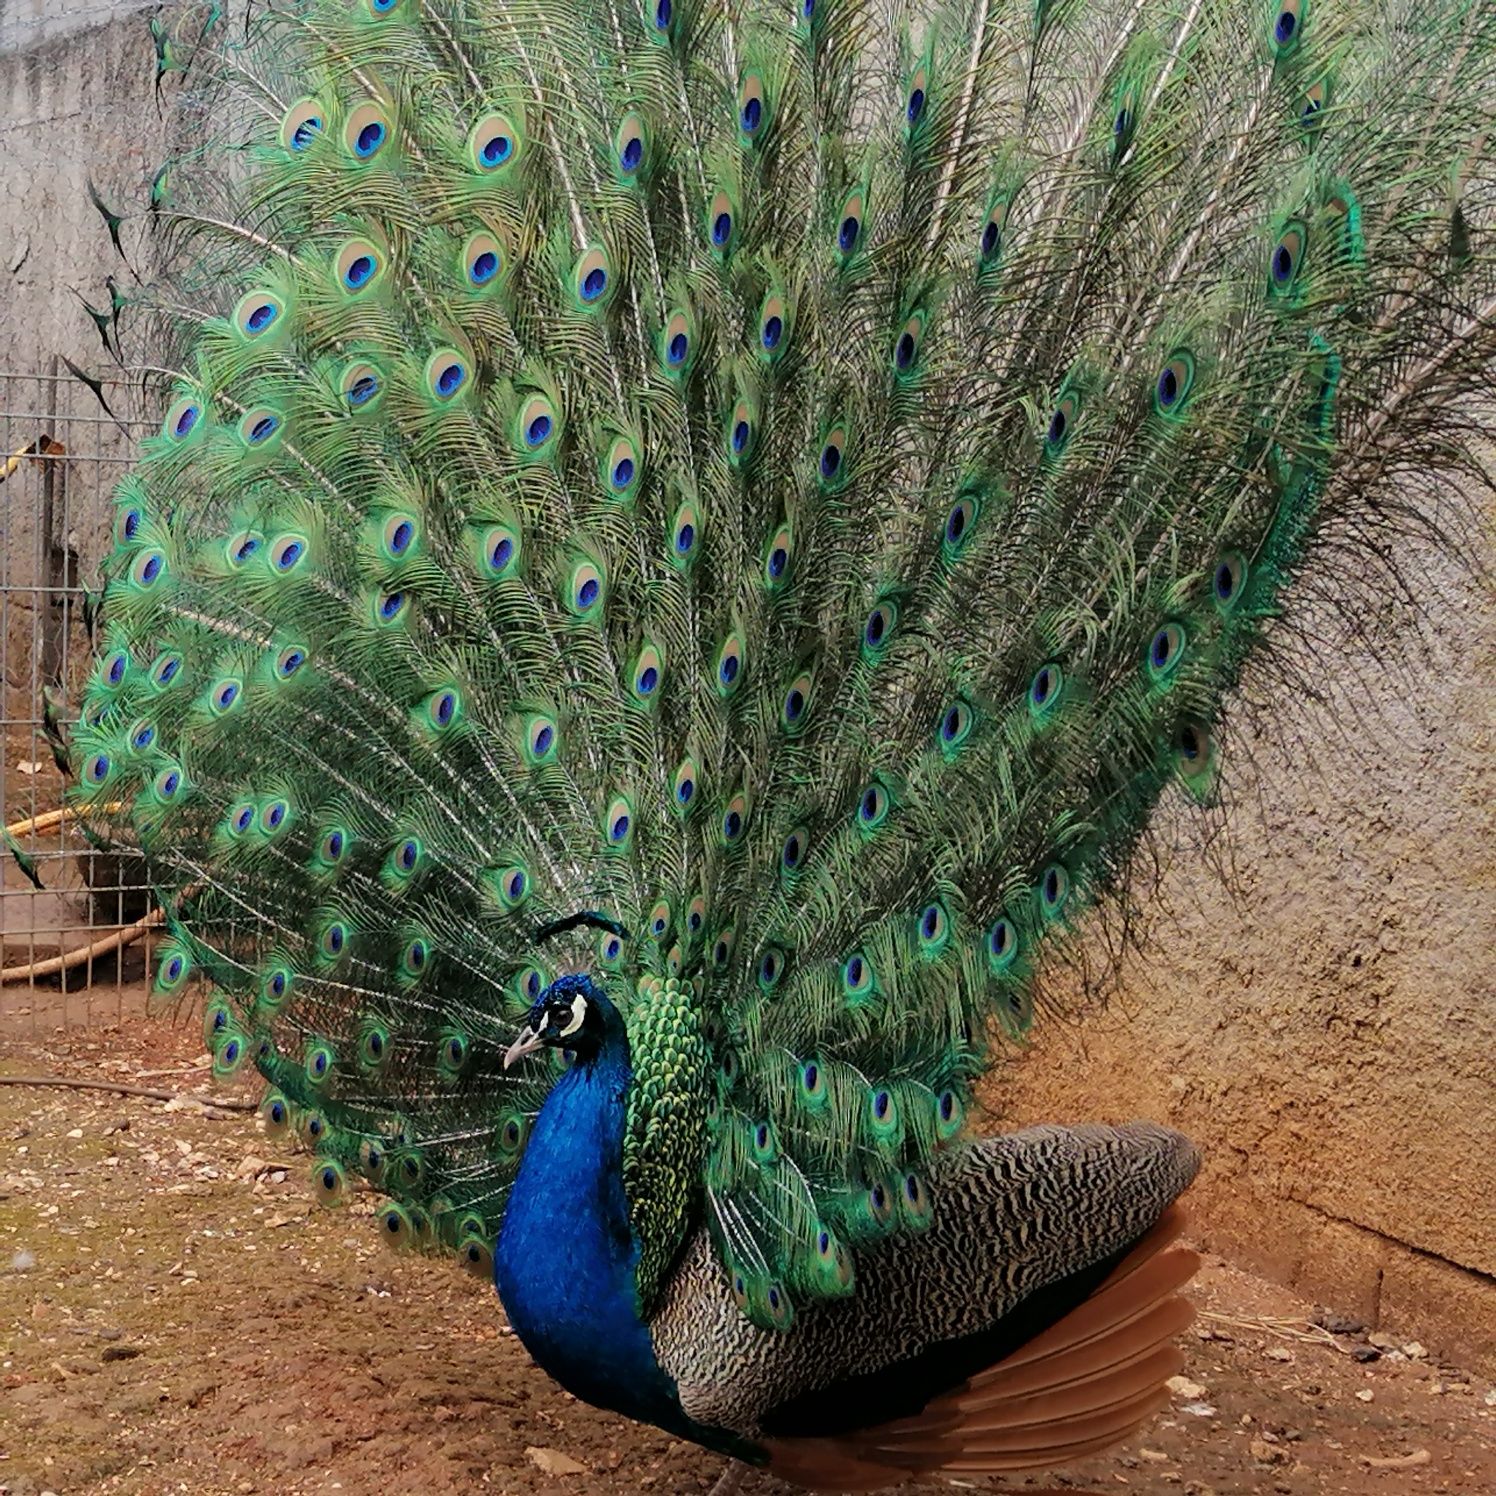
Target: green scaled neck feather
{"x": 756, "y": 503}
{"x": 665, "y": 1142}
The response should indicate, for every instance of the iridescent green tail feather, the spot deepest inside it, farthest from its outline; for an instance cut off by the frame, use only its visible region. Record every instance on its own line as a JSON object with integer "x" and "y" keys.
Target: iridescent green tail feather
{"x": 799, "y": 480}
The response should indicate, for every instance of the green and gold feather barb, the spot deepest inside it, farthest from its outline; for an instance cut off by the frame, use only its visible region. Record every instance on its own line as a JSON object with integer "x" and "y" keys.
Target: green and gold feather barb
{"x": 800, "y": 480}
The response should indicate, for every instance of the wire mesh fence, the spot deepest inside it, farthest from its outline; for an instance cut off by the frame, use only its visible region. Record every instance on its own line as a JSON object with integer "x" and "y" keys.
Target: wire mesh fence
{"x": 74, "y": 944}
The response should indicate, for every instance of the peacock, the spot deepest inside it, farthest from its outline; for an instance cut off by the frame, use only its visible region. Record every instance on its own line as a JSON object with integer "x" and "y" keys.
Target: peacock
{"x": 686, "y": 542}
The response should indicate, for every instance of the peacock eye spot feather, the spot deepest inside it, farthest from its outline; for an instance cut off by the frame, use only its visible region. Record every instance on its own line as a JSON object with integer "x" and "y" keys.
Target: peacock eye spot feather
{"x": 662, "y": 13}
{"x": 751, "y": 115}
{"x": 904, "y": 350}
{"x": 391, "y": 604}
{"x": 915, "y": 107}
{"x": 623, "y": 472}
{"x": 450, "y": 379}
{"x": 594, "y": 283}
{"x": 990, "y": 236}
{"x": 369, "y": 139}
{"x": 186, "y": 420}
{"x": 1229, "y": 579}
{"x": 740, "y": 434}
{"x": 496, "y": 150}
{"x": 538, "y": 430}
{"x": 632, "y": 153}
{"x": 677, "y": 348}
{"x": 881, "y": 1103}
{"x": 771, "y": 332}
{"x": 1285, "y": 26}
{"x": 847, "y": 234}
{"x": 956, "y": 524}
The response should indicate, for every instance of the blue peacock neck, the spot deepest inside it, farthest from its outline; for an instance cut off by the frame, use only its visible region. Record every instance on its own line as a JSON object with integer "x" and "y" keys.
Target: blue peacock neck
{"x": 566, "y": 1256}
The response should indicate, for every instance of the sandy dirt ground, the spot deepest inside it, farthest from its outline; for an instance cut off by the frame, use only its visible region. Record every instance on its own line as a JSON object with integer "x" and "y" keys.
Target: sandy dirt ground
{"x": 176, "y": 1316}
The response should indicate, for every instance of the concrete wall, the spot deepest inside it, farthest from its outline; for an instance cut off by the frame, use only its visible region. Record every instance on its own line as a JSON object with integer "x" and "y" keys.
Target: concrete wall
{"x": 75, "y": 104}
{"x": 1328, "y": 1033}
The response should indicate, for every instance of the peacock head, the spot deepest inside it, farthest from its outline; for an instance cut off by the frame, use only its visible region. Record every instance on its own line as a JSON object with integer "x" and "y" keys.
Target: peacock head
{"x": 571, "y": 1014}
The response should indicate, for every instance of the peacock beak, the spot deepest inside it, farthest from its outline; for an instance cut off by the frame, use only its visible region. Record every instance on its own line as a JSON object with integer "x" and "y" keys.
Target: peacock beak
{"x": 527, "y": 1042}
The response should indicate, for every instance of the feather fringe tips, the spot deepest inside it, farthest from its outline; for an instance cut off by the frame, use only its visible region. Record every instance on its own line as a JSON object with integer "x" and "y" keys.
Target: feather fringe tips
{"x": 801, "y": 480}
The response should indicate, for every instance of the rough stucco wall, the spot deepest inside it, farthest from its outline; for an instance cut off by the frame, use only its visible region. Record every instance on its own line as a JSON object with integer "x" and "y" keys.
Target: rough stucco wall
{"x": 1327, "y": 1033}
{"x": 75, "y": 103}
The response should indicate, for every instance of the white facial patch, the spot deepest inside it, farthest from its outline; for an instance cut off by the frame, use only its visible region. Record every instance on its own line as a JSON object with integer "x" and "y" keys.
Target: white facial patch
{"x": 578, "y": 1015}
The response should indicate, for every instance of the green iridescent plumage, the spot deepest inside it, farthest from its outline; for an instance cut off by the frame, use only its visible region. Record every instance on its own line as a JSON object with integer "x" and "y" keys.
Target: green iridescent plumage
{"x": 801, "y": 481}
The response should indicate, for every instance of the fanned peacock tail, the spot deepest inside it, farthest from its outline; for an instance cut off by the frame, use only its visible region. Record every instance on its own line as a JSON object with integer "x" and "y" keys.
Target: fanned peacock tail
{"x": 795, "y": 482}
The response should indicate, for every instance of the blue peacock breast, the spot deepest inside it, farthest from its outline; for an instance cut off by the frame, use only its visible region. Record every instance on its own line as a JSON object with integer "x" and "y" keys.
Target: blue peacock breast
{"x": 565, "y": 1259}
